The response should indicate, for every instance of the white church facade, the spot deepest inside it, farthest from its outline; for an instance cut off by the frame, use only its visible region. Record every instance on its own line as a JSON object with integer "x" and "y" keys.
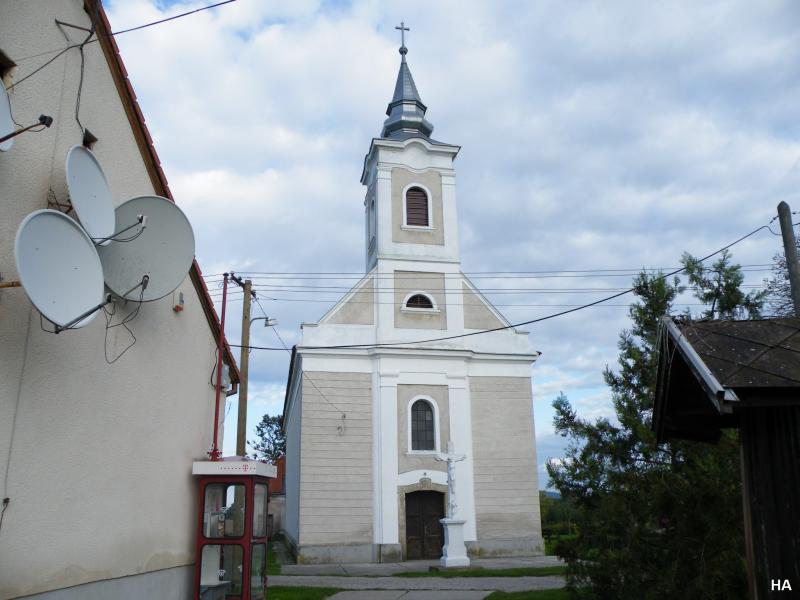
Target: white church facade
{"x": 368, "y": 407}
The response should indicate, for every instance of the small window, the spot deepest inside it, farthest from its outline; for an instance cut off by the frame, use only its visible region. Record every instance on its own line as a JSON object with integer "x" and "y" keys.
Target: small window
{"x": 417, "y": 208}
{"x": 422, "y": 426}
{"x": 223, "y": 516}
{"x": 260, "y": 510}
{"x": 419, "y": 301}
{"x": 221, "y": 570}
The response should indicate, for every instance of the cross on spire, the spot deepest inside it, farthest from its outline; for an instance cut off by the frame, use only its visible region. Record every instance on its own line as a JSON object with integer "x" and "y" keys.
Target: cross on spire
{"x": 402, "y": 27}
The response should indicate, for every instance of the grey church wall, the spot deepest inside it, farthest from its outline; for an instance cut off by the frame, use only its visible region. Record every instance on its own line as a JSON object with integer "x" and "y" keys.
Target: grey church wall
{"x": 335, "y": 465}
{"x": 412, "y": 462}
{"x": 431, "y": 180}
{"x": 358, "y": 310}
{"x": 476, "y": 314}
{"x": 292, "y": 424}
{"x": 406, "y": 282}
{"x": 506, "y": 486}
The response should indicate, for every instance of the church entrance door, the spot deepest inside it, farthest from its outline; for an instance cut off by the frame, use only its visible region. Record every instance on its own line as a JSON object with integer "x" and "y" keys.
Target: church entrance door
{"x": 424, "y": 533}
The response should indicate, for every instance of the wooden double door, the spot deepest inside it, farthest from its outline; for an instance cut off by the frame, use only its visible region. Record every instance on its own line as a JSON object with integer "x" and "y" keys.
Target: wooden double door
{"x": 424, "y": 532}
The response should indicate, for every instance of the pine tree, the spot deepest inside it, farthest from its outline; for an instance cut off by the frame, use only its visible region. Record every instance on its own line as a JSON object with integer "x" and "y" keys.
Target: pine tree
{"x": 654, "y": 521}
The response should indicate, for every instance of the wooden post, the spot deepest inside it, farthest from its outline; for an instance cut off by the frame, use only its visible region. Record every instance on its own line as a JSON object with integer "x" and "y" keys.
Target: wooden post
{"x": 244, "y": 360}
{"x": 790, "y": 250}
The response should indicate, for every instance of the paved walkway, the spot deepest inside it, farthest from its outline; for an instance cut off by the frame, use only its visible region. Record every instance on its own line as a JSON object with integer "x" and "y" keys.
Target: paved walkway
{"x": 407, "y": 584}
{"x": 372, "y": 581}
{"x": 387, "y": 569}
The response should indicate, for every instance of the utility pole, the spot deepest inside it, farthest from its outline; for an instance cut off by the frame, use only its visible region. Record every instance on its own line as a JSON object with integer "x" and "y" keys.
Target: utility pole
{"x": 244, "y": 360}
{"x": 790, "y": 250}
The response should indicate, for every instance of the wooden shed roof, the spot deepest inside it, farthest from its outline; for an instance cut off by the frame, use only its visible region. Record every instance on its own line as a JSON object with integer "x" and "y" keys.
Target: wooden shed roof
{"x": 709, "y": 370}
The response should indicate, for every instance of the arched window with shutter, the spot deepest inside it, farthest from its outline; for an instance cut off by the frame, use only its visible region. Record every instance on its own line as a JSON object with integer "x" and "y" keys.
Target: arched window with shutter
{"x": 417, "y": 213}
{"x": 423, "y": 426}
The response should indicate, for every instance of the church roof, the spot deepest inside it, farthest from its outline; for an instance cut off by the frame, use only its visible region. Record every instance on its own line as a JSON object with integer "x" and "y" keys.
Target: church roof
{"x": 406, "y": 112}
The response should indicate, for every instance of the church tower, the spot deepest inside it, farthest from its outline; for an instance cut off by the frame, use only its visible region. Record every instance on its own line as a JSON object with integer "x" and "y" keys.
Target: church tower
{"x": 396, "y": 372}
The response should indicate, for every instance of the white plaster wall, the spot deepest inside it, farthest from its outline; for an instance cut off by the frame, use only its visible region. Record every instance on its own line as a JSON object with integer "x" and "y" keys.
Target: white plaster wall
{"x": 98, "y": 471}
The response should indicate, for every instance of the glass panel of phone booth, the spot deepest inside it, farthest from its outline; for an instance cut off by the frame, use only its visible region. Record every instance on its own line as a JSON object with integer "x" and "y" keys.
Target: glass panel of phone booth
{"x": 260, "y": 510}
{"x": 258, "y": 572}
{"x": 224, "y": 510}
{"x": 221, "y": 572}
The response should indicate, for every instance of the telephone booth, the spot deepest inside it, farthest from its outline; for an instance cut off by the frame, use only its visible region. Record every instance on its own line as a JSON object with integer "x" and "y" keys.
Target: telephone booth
{"x": 231, "y": 550}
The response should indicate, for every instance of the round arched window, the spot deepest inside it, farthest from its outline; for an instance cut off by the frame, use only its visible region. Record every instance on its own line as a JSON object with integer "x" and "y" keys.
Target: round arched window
{"x": 422, "y": 424}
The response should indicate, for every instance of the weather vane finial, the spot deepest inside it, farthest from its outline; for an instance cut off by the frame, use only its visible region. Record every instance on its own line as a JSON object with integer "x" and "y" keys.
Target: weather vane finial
{"x": 402, "y": 27}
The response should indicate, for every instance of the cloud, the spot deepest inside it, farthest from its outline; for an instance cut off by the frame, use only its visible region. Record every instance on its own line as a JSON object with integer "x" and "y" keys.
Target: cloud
{"x": 594, "y": 136}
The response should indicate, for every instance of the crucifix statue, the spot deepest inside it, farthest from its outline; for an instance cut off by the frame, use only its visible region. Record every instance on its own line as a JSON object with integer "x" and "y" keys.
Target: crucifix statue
{"x": 451, "y": 458}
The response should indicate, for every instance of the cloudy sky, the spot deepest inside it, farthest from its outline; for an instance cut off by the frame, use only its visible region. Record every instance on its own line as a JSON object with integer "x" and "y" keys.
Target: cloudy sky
{"x": 595, "y": 136}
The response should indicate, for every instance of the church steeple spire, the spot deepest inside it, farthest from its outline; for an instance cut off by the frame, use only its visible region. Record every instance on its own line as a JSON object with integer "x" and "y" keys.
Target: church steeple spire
{"x": 406, "y": 111}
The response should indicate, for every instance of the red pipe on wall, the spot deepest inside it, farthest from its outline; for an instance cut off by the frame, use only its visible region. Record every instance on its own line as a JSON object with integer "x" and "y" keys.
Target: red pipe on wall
{"x": 216, "y": 453}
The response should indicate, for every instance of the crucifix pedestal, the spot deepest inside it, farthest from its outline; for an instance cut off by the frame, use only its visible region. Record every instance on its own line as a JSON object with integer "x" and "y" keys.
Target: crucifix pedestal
{"x": 454, "y": 553}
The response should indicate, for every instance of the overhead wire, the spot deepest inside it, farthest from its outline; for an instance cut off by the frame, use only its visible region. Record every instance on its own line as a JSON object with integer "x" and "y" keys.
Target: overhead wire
{"x": 311, "y": 381}
{"x": 62, "y": 51}
{"x": 522, "y": 323}
{"x": 358, "y": 275}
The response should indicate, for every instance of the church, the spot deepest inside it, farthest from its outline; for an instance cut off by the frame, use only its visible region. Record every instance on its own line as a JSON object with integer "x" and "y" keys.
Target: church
{"x": 402, "y": 369}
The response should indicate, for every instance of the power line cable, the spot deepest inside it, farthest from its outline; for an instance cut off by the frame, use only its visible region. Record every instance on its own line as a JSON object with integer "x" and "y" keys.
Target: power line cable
{"x": 348, "y": 275}
{"x": 172, "y": 18}
{"x": 112, "y": 34}
{"x": 522, "y": 323}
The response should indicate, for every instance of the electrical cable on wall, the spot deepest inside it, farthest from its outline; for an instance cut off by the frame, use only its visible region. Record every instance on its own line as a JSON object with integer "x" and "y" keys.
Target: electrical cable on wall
{"x": 109, "y": 315}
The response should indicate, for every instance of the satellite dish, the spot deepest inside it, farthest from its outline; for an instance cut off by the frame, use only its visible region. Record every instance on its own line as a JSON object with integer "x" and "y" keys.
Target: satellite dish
{"x": 59, "y": 267}
{"x": 164, "y": 251}
{"x": 6, "y": 122}
{"x": 90, "y": 194}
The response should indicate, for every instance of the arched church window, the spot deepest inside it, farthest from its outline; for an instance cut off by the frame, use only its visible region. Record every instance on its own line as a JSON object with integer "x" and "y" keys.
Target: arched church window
{"x": 417, "y": 207}
{"x": 419, "y": 301}
{"x": 422, "y": 426}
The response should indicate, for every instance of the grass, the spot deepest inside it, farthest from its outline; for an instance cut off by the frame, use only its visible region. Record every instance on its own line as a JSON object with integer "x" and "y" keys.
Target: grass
{"x": 273, "y": 567}
{"x": 300, "y": 593}
{"x": 481, "y": 572}
{"x": 537, "y": 595}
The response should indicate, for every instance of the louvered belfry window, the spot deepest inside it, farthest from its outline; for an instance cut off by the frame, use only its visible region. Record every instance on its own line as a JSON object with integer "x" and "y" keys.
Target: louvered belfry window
{"x": 417, "y": 207}
{"x": 422, "y": 426}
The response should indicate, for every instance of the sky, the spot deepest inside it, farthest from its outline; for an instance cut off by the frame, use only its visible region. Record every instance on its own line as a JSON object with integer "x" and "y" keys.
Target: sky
{"x": 607, "y": 136}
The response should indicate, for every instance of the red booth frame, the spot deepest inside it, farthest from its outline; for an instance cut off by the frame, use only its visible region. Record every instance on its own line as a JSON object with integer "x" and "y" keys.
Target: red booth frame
{"x": 246, "y": 540}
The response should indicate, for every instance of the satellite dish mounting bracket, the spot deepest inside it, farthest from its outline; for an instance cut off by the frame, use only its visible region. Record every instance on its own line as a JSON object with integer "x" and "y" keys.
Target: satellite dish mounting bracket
{"x": 108, "y": 300}
{"x": 43, "y": 120}
{"x": 140, "y": 220}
